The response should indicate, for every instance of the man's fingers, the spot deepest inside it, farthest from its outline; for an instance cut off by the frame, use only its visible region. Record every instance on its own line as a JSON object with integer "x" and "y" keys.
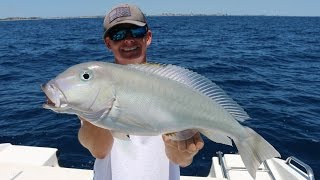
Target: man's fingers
{"x": 182, "y": 146}
{"x": 191, "y": 147}
{"x": 198, "y": 141}
{"x": 165, "y": 138}
{"x": 168, "y": 141}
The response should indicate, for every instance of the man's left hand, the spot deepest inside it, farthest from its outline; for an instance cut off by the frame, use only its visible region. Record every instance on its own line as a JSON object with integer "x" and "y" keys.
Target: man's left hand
{"x": 182, "y": 152}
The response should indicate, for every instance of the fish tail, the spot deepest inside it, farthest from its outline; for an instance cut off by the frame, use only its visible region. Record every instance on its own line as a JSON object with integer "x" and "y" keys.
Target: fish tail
{"x": 254, "y": 150}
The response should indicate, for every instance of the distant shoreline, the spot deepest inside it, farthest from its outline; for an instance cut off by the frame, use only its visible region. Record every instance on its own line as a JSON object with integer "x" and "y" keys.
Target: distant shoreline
{"x": 42, "y": 18}
{"x": 75, "y": 17}
{"x": 163, "y": 14}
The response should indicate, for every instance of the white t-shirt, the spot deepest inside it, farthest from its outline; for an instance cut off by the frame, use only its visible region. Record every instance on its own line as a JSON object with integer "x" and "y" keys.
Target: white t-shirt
{"x": 141, "y": 158}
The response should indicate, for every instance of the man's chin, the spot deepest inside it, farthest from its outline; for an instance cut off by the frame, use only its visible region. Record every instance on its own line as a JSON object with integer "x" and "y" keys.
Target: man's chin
{"x": 131, "y": 60}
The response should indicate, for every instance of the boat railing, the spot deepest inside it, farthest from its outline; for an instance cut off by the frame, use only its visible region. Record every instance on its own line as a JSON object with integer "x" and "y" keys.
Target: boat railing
{"x": 223, "y": 165}
{"x": 302, "y": 164}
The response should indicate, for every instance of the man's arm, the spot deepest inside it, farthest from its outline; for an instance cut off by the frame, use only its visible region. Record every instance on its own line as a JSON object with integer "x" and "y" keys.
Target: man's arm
{"x": 182, "y": 152}
{"x": 97, "y": 140}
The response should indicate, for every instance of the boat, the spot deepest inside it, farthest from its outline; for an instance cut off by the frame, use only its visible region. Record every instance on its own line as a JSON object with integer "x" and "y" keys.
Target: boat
{"x": 18, "y": 162}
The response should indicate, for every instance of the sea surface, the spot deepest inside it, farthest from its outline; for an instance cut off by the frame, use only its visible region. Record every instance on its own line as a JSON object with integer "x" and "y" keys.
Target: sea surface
{"x": 269, "y": 65}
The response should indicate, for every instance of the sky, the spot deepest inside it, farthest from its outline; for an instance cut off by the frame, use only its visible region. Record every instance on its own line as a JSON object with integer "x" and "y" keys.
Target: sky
{"x": 71, "y": 8}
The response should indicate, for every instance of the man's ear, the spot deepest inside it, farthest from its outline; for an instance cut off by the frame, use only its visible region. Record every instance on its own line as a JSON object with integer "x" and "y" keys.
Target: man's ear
{"x": 107, "y": 42}
{"x": 149, "y": 37}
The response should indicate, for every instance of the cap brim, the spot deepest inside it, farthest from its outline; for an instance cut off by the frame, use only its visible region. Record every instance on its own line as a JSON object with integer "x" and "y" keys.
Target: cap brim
{"x": 138, "y": 23}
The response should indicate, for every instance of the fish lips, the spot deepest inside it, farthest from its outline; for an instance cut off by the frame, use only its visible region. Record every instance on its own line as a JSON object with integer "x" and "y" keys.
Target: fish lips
{"x": 56, "y": 100}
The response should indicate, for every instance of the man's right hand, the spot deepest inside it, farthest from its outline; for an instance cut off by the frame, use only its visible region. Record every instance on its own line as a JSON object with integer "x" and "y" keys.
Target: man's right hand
{"x": 97, "y": 140}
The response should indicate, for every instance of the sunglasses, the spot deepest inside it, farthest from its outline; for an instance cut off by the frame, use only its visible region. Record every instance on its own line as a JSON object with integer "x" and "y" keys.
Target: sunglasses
{"x": 118, "y": 34}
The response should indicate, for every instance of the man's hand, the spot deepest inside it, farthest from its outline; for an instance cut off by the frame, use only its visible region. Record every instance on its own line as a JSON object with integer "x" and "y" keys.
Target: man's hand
{"x": 97, "y": 140}
{"x": 182, "y": 152}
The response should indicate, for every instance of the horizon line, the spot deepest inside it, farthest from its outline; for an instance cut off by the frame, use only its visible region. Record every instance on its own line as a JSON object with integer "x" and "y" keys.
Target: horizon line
{"x": 161, "y": 14}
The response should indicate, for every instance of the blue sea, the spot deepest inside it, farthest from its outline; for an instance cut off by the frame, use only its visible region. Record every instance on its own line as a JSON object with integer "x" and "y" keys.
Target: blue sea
{"x": 269, "y": 65}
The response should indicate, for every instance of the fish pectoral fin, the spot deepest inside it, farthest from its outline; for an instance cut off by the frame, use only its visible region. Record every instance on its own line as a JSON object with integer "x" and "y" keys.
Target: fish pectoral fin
{"x": 217, "y": 137}
{"x": 123, "y": 117}
{"x": 182, "y": 135}
{"x": 120, "y": 135}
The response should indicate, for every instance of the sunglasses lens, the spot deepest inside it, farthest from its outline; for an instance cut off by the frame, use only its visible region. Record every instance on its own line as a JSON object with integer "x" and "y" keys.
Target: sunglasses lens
{"x": 120, "y": 34}
{"x": 139, "y": 32}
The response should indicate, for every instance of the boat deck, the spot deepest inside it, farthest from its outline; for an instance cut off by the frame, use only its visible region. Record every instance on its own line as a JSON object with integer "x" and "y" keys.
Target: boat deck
{"x": 35, "y": 163}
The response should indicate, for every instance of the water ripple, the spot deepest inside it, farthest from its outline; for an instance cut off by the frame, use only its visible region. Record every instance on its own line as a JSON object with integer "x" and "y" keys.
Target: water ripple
{"x": 269, "y": 65}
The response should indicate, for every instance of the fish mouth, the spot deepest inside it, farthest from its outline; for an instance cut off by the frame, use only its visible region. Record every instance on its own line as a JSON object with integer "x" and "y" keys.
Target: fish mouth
{"x": 56, "y": 100}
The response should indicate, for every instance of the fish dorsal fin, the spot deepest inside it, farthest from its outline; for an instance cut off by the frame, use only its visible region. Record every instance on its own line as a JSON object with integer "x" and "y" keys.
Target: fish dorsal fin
{"x": 196, "y": 82}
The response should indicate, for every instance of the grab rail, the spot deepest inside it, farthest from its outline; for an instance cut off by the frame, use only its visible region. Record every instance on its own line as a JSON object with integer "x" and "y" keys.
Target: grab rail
{"x": 223, "y": 165}
{"x": 302, "y": 164}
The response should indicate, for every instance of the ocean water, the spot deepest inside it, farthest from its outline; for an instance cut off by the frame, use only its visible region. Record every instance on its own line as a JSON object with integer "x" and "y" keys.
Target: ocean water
{"x": 269, "y": 65}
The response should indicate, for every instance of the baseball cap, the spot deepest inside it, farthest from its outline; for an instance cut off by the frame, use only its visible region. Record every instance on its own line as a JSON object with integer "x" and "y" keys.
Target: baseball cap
{"x": 123, "y": 14}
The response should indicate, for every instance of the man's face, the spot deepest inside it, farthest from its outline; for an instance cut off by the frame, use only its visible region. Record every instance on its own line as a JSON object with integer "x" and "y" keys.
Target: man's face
{"x": 129, "y": 50}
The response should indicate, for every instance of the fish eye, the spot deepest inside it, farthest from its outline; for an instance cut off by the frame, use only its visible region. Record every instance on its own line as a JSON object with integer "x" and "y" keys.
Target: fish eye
{"x": 86, "y": 75}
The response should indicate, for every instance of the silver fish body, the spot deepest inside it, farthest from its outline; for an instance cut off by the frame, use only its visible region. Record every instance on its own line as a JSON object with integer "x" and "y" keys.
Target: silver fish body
{"x": 149, "y": 99}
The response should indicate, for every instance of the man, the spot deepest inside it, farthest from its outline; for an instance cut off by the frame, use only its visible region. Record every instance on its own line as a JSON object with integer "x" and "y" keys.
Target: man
{"x": 128, "y": 36}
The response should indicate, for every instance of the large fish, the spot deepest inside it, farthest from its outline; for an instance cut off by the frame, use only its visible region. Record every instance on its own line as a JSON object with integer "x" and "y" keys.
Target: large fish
{"x": 150, "y": 99}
